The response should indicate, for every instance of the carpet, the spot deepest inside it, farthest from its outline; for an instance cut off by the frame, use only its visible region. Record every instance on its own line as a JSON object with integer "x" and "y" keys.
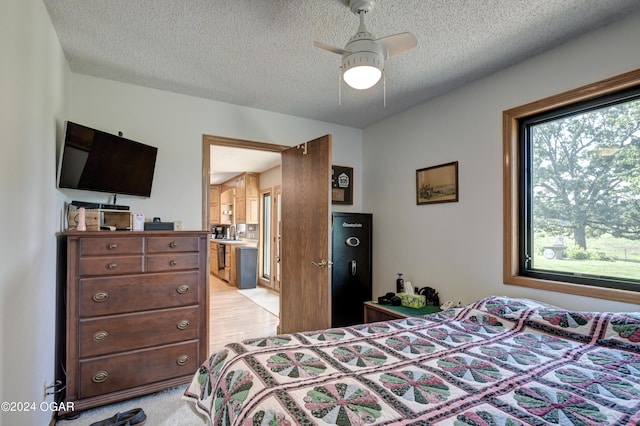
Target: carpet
{"x": 266, "y": 299}
{"x": 164, "y": 408}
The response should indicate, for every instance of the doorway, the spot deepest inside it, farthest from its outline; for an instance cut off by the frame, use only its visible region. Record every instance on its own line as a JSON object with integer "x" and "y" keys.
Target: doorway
{"x": 225, "y": 301}
{"x": 305, "y": 302}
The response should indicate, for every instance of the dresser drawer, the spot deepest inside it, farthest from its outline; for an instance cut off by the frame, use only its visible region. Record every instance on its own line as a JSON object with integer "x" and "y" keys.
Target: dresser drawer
{"x": 111, "y": 246}
{"x": 110, "y": 265}
{"x": 131, "y": 293}
{"x": 172, "y": 244}
{"x": 113, "y": 373}
{"x": 373, "y": 315}
{"x": 120, "y": 333}
{"x": 171, "y": 262}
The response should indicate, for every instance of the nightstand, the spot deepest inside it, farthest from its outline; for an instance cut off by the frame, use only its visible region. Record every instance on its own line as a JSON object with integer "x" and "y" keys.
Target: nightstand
{"x": 374, "y": 312}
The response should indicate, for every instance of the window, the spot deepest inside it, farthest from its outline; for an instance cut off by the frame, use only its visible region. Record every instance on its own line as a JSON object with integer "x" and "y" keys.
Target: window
{"x": 266, "y": 235}
{"x": 572, "y": 191}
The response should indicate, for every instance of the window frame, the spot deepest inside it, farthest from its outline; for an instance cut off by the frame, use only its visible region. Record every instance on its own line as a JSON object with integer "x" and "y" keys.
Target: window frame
{"x": 512, "y": 237}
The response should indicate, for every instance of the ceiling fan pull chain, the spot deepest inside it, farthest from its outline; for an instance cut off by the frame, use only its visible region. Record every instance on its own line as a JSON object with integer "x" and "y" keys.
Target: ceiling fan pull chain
{"x": 339, "y": 86}
{"x": 384, "y": 89}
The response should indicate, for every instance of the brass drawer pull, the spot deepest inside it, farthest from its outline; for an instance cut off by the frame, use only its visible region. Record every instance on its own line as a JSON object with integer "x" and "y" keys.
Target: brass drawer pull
{"x": 173, "y": 263}
{"x": 173, "y": 244}
{"x": 183, "y": 325}
{"x": 100, "y": 376}
{"x": 99, "y": 336}
{"x": 100, "y": 296}
{"x": 113, "y": 265}
{"x": 113, "y": 246}
{"x": 183, "y": 360}
{"x": 183, "y": 289}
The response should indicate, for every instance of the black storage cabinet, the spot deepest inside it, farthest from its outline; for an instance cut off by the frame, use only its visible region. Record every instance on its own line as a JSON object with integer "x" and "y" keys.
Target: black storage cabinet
{"x": 351, "y": 273}
{"x": 246, "y": 267}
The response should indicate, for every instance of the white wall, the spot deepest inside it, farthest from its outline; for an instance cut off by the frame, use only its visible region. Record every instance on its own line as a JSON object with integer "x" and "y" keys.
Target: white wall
{"x": 33, "y": 81}
{"x": 457, "y": 247}
{"x": 272, "y": 177}
{"x": 175, "y": 124}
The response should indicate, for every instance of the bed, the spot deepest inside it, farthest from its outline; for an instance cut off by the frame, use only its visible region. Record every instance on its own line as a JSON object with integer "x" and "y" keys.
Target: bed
{"x": 499, "y": 361}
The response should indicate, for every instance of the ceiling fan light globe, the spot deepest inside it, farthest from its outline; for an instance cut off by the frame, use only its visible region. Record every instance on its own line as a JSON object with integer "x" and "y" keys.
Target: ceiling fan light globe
{"x": 362, "y": 69}
{"x": 362, "y": 77}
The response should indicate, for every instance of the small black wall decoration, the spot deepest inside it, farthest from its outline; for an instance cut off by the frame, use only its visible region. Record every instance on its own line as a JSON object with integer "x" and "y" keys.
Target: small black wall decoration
{"x": 341, "y": 185}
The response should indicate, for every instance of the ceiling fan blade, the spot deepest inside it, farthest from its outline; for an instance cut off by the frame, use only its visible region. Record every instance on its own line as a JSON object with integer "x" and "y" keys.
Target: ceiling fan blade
{"x": 397, "y": 43}
{"x": 329, "y": 48}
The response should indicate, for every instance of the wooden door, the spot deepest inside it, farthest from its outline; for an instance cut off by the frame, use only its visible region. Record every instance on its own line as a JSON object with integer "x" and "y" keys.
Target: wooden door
{"x": 305, "y": 294}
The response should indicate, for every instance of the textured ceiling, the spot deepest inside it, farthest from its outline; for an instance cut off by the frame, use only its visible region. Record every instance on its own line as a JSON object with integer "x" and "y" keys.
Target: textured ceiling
{"x": 260, "y": 53}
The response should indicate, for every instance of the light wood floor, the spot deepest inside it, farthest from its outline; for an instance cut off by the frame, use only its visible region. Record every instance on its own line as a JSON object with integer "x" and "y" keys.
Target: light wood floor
{"x": 234, "y": 317}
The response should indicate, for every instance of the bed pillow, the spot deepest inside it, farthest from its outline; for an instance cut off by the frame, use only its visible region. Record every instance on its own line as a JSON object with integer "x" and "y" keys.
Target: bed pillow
{"x": 510, "y": 307}
{"x": 606, "y": 328}
{"x": 625, "y": 326}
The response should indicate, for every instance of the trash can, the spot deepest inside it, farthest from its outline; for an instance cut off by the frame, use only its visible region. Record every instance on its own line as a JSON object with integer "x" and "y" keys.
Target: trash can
{"x": 246, "y": 267}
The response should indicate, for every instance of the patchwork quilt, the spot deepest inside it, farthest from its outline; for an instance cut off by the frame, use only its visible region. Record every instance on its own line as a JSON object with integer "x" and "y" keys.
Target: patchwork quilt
{"x": 499, "y": 361}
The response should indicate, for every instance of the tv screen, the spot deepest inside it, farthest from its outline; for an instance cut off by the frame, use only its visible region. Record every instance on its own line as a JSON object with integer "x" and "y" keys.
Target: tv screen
{"x": 97, "y": 161}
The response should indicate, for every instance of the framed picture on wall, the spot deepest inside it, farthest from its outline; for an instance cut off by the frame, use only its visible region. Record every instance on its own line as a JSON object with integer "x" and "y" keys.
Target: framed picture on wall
{"x": 341, "y": 185}
{"x": 437, "y": 184}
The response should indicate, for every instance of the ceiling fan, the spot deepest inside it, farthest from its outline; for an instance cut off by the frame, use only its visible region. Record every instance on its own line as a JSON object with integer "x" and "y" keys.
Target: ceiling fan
{"x": 363, "y": 57}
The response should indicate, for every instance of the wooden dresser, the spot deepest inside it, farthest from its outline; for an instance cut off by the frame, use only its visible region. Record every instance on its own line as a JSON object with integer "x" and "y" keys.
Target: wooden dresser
{"x": 132, "y": 313}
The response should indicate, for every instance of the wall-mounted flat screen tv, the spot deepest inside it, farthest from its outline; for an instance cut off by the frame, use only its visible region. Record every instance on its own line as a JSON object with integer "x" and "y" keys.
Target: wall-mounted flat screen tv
{"x": 93, "y": 160}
